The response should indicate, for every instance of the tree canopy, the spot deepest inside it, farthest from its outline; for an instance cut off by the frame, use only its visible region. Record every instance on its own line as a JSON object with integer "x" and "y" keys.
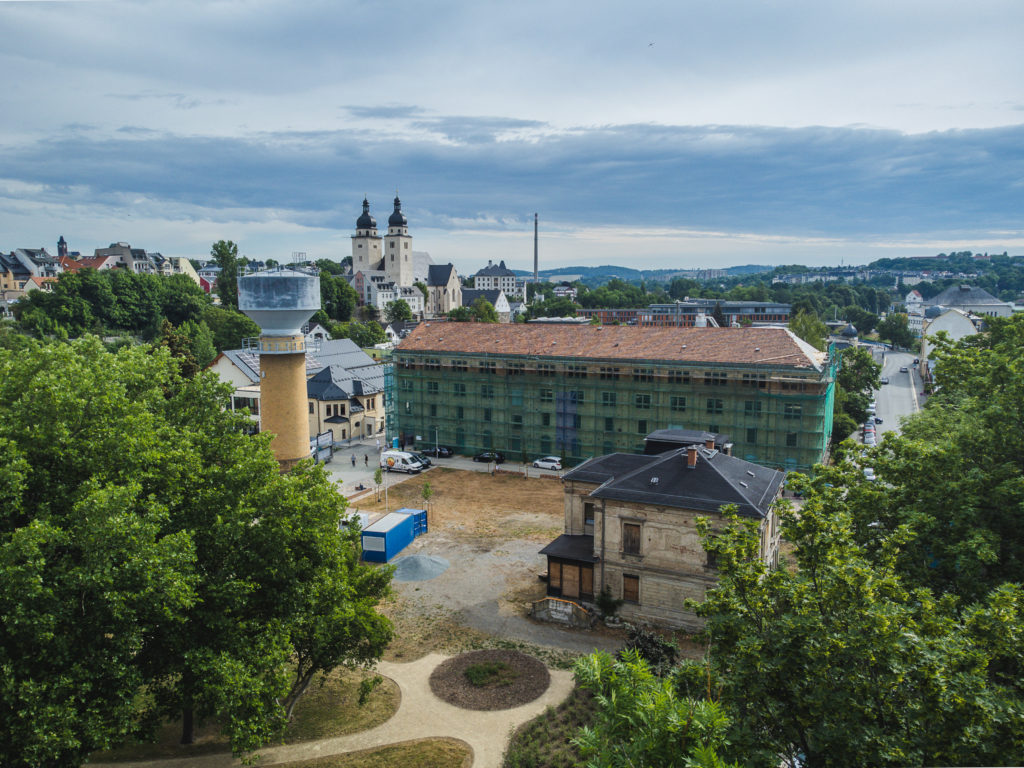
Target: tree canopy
{"x": 397, "y": 311}
{"x": 225, "y": 255}
{"x": 808, "y": 326}
{"x": 149, "y": 544}
{"x": 895, "y": 328}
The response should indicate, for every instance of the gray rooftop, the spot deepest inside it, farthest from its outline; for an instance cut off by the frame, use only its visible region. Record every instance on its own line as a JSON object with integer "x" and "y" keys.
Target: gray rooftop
{"x": 666, "y": 480}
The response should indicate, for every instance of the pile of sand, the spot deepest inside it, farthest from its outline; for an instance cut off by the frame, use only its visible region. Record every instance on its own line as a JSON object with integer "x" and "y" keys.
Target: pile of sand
{"x": 419, "y": 567}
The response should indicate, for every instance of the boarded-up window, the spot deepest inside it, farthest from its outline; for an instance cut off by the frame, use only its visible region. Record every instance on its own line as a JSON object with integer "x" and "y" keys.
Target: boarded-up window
{"x": 555, "y": 575}
{"x": 570, "y": 581}
{"x": 587, "y": 580}
{"x": 631, "y": 538}
{"x": 631, "y": 588}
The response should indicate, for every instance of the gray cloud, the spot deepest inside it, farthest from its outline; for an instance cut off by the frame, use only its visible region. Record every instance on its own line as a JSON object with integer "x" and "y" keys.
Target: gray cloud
{"x": 831, "y": 182}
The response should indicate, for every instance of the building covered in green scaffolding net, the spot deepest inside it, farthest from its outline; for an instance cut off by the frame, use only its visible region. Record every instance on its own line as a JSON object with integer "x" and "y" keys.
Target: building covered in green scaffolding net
{"x": 533, "y": 390}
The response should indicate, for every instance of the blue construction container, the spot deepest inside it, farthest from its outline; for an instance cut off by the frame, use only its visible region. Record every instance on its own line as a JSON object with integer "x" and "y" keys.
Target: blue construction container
{"x": 388, "y": 536}
{"x": 419, "y": 517}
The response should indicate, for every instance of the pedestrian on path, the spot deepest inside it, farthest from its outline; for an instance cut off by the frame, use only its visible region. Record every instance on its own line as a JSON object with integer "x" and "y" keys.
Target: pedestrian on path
{"x": 366, "y": 459}
{"x": 378, "y": 445}
{"x": 353, "y": 461}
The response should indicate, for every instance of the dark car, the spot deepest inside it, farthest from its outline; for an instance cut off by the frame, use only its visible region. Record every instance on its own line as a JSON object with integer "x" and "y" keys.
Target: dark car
{"x": 878, "y": 419}
{"x": 422, "y": 458}
{"x": 441, "y": 451}
{"x": 496, "y": 456}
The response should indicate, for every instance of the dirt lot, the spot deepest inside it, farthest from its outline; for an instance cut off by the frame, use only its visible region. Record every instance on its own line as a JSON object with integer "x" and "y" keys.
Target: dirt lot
{"x": 490, "y": 529}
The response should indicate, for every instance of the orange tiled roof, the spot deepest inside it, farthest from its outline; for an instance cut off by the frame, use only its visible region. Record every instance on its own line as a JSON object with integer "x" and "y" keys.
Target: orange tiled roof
{"x": 70, "y": 265}
{"x": 774, "y": 347}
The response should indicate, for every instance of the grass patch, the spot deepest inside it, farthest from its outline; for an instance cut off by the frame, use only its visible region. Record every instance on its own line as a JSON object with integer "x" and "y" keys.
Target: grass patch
{"x": 490, "y": 674}
{"x": 436, "y": 753}
{"x": 546, "y": 741}
{"x": 330, "y": 707}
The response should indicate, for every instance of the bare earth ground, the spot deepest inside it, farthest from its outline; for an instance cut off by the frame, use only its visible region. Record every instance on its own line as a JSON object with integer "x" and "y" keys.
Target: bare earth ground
{"x": 490, "y": 529}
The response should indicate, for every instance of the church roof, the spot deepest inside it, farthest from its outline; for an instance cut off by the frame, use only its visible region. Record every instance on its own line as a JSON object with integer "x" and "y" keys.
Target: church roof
{"x": 397, "y": 219}
{"x": 366, "y": 221}
{"x": 440, "y": 274}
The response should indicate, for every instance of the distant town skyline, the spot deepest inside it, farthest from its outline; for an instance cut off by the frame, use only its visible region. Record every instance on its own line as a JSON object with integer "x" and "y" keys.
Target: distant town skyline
{"x": 656, "y": 135}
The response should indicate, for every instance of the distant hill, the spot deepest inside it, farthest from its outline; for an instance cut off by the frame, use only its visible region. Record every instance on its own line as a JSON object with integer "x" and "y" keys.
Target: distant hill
{"x": 602, "y": 274}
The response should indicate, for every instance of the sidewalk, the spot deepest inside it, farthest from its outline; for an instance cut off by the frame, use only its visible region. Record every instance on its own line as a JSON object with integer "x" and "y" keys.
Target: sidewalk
{"x": 420, "y": 715}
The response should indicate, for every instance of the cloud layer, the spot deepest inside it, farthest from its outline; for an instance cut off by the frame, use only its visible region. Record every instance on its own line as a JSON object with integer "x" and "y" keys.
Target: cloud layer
{"x": 833, "y": 129}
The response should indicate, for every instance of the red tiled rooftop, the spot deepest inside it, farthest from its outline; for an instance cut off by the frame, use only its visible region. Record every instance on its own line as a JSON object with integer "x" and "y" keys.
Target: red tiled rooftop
{"x": 744, "y": 346}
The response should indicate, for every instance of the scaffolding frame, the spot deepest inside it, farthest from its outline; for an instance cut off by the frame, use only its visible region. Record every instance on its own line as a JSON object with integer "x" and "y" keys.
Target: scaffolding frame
{"x": 533, "y": 405}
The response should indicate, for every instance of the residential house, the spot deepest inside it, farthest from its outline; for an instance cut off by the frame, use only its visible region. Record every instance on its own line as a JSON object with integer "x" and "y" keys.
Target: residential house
{"x": 631, "y": 526}
{"x": 132, "y": 259}
{"x": 345, "y": 386}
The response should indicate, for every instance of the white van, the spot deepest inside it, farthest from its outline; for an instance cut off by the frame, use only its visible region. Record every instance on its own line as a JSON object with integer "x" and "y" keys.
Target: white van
{"x": 400, "y": 461}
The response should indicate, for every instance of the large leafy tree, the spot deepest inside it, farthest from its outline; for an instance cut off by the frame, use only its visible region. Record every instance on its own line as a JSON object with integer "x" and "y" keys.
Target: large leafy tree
{"x": 838, "y": 662}
{"x": 895, "y": 328}
{"x": 147, "y": 543}
{"x": 483, "y": 311}
{"x": 397, "y": 311}
{"x": 808, "y": 326}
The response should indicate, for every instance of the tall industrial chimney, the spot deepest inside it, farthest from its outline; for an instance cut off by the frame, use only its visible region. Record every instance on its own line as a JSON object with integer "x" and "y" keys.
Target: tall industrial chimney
{"x": 280, "y": 302}
{"x": 536, "y": 278}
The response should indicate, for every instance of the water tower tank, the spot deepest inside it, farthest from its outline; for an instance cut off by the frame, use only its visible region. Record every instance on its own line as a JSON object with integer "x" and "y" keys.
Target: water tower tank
{"x": 279, "y": 301}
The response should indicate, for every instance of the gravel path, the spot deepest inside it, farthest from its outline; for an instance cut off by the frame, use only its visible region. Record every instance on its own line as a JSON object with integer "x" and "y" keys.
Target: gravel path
{"x": 421, "y": 715}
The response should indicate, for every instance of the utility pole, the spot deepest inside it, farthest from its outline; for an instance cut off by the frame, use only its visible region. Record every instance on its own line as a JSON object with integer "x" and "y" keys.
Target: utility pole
{"x": 536, "y": 277}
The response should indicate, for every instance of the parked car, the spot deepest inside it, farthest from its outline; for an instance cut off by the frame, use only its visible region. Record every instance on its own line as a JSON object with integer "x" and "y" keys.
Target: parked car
{"x": 496, "y": 456}
{"x": 869, "y": 438}
{"x": 422, "y": 458}
{"x": 548, "y": 462}
{"x": 878, "y": 419}
{"x": 441, "y": 451}
{"x": 885, "y": 379}
{"x": 904, "y": 369}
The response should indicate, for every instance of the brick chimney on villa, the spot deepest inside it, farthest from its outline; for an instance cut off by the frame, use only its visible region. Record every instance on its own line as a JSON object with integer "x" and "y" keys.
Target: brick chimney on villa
{"x": 691, "y": 456}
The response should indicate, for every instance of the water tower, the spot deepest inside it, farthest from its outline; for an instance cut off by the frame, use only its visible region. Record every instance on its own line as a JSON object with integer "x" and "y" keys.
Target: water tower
{"x": 280, "y": 302}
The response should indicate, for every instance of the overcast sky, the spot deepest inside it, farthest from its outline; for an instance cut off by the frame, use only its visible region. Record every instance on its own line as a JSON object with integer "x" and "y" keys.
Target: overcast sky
{"x": 672, "y": 134}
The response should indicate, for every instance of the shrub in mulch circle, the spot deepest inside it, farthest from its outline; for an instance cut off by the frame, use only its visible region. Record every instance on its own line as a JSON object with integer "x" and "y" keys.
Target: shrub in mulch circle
{"x": 490, "y": 680}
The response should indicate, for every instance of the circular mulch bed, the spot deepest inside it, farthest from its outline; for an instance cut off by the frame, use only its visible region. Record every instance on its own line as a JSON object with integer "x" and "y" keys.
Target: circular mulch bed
{"x": 529, "y": 679}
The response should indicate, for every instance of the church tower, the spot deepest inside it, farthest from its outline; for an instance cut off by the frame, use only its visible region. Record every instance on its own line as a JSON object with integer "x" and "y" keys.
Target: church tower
{"x": 365, "y": 242}
{"x": 398, "y": 247}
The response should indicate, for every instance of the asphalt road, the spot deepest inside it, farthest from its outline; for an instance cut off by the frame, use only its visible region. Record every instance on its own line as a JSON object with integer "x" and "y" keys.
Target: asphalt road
{"x": 901, "y": 396}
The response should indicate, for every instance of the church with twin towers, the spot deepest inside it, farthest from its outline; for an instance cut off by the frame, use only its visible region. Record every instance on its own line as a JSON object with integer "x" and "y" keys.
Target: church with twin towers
{"x": 385, "y": 268}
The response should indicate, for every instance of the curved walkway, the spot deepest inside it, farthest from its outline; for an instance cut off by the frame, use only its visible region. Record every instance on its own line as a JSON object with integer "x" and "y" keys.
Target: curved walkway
{"x": 420, "y": 715}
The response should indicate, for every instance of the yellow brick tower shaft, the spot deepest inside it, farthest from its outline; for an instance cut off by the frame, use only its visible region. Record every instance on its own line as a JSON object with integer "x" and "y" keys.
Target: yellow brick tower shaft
{"x": 283, "y": 396}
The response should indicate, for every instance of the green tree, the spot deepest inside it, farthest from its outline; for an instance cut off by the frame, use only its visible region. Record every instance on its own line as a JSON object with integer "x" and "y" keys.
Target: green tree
{"x": 808, "y": 326}
{"x": 424, "y": 290}
{"x": 378, "y": 479}
{"x": 397, "y": 311}
{"x": 338, "y": 297}
{"x": 180, "y": 347}
{"x": 837, "y": 662}
{"x": 149, "y": 545}
{"x": 460, "y": 314}
{"x": 857, "y": 380}
{"x": 863, "y": 320}
{"x": 641, "y": 720}
{"x": 895, "y": 328}
{"x": 225, "y": 256}
{"x": 228, "y": 327}
{"x": 483, "y": 311}
{"x": 719, "y": 316}
{"x": 363, "y": 334}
